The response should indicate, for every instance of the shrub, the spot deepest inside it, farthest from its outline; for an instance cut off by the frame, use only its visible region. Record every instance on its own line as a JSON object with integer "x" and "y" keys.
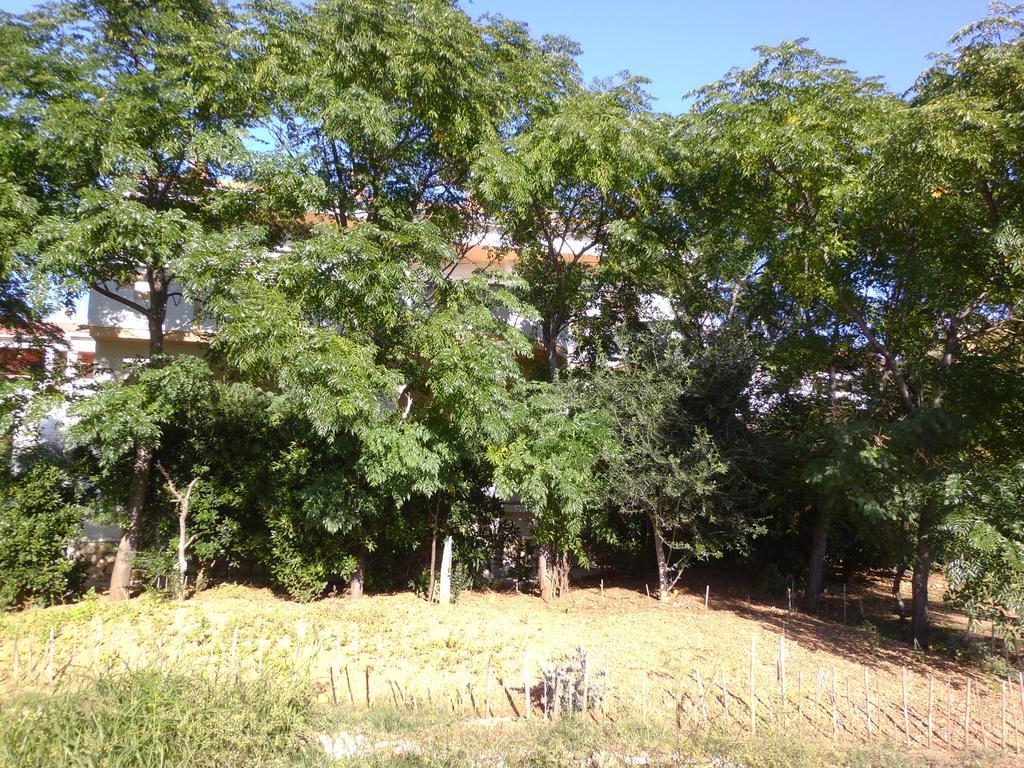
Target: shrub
{"x": 38, "y": 520}
{"x": 303, "y": 562}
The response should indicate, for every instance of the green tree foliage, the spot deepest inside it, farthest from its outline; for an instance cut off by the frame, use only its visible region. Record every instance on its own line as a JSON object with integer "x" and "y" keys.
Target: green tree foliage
{"x": 569, "y": 191}
{"x": 875, "y": 212}
{"x": 983, "y": 547}
{"x": 409, "y": 395}
{"x": 800, "y": 299}
{"x": 143, "y": 108}
{"x": 678, "y": 462}
{"x": 553, "y": 462}
{"x": 40, "y": 516}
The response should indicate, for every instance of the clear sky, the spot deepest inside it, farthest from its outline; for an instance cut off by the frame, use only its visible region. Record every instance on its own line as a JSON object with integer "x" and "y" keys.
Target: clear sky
{"x": 683, "y": 44}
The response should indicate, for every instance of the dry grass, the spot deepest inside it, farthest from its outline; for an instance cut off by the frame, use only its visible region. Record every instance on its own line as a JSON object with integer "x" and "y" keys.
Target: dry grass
{"x": 470, "y": 657}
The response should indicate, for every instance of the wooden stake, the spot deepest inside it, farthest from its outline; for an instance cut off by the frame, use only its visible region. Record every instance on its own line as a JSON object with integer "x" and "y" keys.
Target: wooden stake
{"x": 906, "y": 711}
{"x": 753, "y": 691}
{"x": 703, "y": 703}
{"x": 558, "y": 692}
{"x": 931, "y": 711}
{"x": 1020, "y": 676}
{"x": 586, "y": 683}
{"x": 835, "y": 705}
{"x": 348, "y": 684}
{"x": 487, "y": 689}
{"x": 1002, "y": 714}
{"x": 607, "y": 687}
{"x": 526, "y": 685}
{"x": 1013, "y": 710}
{"x": 725, "y": 696}
{"x": 867, "y": 703}
{"x": 707, "y": 594}
{"x": 782, "y": 674}
{"x": 844, "y": 603}
{"x": 981, "y": 720}
{"x": 967, "y": 716}
{"x": 334, "y": 691}
{"x": 800, "y": 694}
{"x": 49, "y": 658}
{"x": 949, "y": 716}
{"x": 544, "y": 699}
{"x": 367, "y": 687}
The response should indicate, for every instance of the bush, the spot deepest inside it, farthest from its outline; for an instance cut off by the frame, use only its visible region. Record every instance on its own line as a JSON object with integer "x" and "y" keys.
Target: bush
{"x": 38, "y": 520}
{"x": 303, "y": 562}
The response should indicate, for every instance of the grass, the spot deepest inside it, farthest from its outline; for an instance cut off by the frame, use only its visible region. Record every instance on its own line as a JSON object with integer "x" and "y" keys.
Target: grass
{"x": 451, "y": 668}
{"x": 150, "y": 720}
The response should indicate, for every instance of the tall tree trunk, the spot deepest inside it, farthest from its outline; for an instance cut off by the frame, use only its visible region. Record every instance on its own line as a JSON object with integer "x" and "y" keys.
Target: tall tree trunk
{"x": 919, "y": 585}
{"x": 551, "y": 329}
{"x": 142, "y": 465}
{"x": 816, "y": 569}
{"x": 357, "y": 582}
{"x": 659, "y": 557}
{"x": 121, "y": 574}
{"x": 563, "y": 574}
{"x": 544, "y": 573}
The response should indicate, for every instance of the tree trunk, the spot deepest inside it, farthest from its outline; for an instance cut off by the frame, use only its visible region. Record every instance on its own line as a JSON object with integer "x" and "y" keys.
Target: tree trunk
{"x": 563, "y": 574}
{"x": 444, "y": 588}
{"x": 158, "y": 289}
{"x": 897, "y": 588}
{"x": 816, "y": 569}
{"x": 552, "y": 327}
{"x": 433, "y": 552}
{"x": 544, "y": 573}
{"x": 357, "y": 581}
{"x": 660, "y": 559}
{"x": 919, "y": 585}
{"x": 121, "y": 575}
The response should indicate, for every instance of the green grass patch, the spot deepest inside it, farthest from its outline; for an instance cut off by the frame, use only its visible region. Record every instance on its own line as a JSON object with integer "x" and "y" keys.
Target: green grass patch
{"x": 149, "y": 719}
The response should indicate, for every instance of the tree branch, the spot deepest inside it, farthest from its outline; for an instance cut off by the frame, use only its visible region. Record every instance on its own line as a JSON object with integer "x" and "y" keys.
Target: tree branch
{"x": 101, "y": 288}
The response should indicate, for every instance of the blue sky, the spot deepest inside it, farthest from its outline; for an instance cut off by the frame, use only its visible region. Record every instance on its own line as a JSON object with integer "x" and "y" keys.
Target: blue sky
{"x": 682, "y": 44}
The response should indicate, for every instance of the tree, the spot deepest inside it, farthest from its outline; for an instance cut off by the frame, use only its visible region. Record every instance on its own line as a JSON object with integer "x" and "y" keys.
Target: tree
{"x": 410, "y": 373}
{"x": 385, "y": 103}
{"x": 552, "y": 461}
{"x": 848, "y": 199}
{"x": 146, "y": 107}
{"x": 568, "y": 191}
{"x": 674, "y": 464}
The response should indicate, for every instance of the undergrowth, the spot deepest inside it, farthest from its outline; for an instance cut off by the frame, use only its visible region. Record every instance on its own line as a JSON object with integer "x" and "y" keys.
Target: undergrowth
{"x": 152, "y": 720}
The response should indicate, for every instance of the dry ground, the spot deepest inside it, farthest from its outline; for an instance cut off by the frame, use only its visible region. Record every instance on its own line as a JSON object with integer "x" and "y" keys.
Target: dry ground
{"x": 665, "y": 661}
